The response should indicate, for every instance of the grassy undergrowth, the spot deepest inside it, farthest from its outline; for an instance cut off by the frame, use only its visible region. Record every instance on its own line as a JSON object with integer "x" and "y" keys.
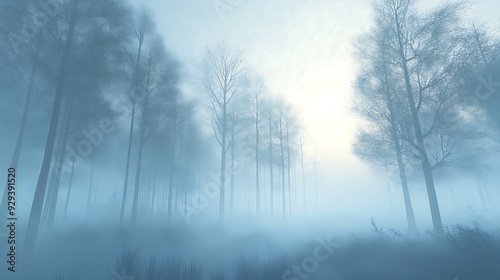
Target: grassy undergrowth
{"x": 466, "y": 252}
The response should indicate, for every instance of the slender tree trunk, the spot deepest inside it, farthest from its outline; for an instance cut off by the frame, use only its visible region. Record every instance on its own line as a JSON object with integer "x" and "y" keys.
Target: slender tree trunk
{"x": 176, "y": 202}
{"x": 138, "y": 170}
{"x": 257, "y": 142}
{"x": 410, "y": 216}
{"x": 172, "y": 168}
{"x": 480, "y": 46}
{"x": 142, "y": 142}
{"x": 223, "y": 159}
{"x": 164, "y": 196}
{"x": 295, "y": 188}
{"x": 127, "y": 164}
{"x": 282, "y": 152}
{"x": 271, "y": 163}
{"x": 303, "y": 176}
{"x": 389, "y": 191}
{"x": 429, "y": 181}
{"x": 90, "y": 187}
{"x": 149, "y": 196}
{"x": 50, "y": 203}
{"x": 185, "y": 204}
{"x": 131, "y": 130}
{"x": 233, "y": 154}
{"x": 20, "y": 136}
{"x": 96, "y": 187}
{"x": 154, "y": 193}
{"x": 54, "y": 176}
{"x": 58, "y": 169}
{"x": 288, "y": 172}
{"x": 37, "y": 205}
{"x": 69, "y": 190}
{"x": 135, "y": 200}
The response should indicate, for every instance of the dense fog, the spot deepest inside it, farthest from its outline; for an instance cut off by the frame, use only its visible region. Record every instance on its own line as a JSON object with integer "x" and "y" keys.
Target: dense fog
{"x": 234, "y": 139}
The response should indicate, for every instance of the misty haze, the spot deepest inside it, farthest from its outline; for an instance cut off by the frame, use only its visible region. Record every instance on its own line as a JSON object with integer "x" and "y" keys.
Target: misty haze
{"x": 249, "y": 140}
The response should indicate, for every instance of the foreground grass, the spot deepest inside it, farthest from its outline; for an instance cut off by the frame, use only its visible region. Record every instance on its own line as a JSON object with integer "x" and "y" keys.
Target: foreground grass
{"x": 466, "y": 252}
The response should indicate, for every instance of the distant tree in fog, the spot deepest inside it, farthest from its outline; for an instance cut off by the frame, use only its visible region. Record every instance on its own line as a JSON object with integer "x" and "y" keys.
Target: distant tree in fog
{"x": 479, "y": 87}
{"x": 268, "y": 110}
{"x": 183, "y": 130}
{"x": 221, "y": 72}
{"x": 142, "y": 29}
{"x": 160, "y": 77}
{"x": 238, "y": 125}
{"x": 292, "y": 129}
{"x": 280, "y": 135}
{"x": 258, "y": 92}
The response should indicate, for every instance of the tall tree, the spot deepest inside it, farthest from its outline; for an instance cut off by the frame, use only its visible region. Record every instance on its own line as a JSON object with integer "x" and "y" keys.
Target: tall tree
{"x": 221, "y": 74}
{"x": 19, "y": 67}
{"x": 160, "y": 81}
{"x": 376, "y": 89}
{"x": 304, "y": 196}
{"x": 280, "y": 136}
{"x": 270, "y": 114}
{"x": 76, "y": 28}
{"x": 141, "y": 28}
{"x": 423, "y": 50}
{"x": 258, "y": 91}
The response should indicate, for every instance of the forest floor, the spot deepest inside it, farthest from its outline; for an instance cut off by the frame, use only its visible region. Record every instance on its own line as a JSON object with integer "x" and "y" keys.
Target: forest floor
{"x": 217, "y": 253}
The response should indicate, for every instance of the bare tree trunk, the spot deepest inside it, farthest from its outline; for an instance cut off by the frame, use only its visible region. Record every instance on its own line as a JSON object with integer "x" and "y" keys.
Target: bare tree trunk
{"x": 127, "y": 166}
{"x": 233, "y": 154}
{"x": 389, "y": 191}
{"x": 138, "y": 173}
{"x": 295, "y": 188}
{"x": 54, "y": 179}
{"x": 480, "y": 45}
{"x": 96, "y": 187}
{"x": 176, "y": 202}
{"x": 288, "y": 171}
{"x": 185, "y": 204}
{"x": 131, "y": 130}
{"x": 20, "y": 136}
{"x": 282, "y": 170}
{"x": 57, "y": 170}
{"x": 49, "y": 208}
{"x": 271, "y": 163}
{"x": 164, "y": 196}
{"x": 172, "y": 169}
{"x": 429, "y": 181}
{"x": 223, "y": 160}
{"x": 410, "y": 216}
{"x": 69, "y": 190}
{"x": 257, "y": 142}
{"x": 303, "y": 175}
{"x": 90, "y": 187}
{"x": 37, "y": 205}
{"x": 154, "y": 193}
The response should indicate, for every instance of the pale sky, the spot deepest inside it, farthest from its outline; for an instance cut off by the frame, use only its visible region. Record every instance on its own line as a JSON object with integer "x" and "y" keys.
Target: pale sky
{"x": 302, "y": 48}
